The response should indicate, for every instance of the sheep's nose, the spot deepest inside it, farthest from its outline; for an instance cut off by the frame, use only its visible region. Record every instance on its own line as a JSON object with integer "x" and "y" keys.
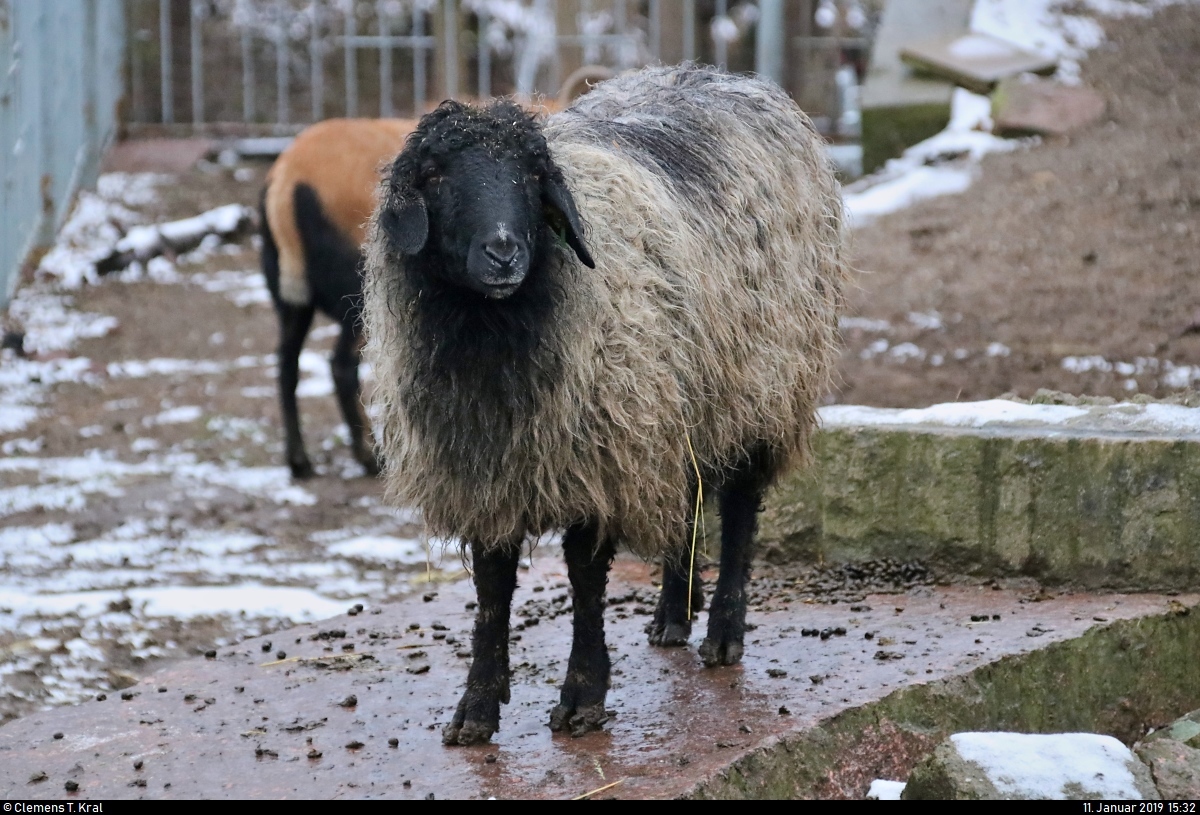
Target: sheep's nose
{"x": 501, "y": 249}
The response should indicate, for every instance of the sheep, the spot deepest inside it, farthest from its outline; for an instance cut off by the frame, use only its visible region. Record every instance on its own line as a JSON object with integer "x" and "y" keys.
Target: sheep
{"x": 318, "y": 197}
{"x": 578, "y": 325}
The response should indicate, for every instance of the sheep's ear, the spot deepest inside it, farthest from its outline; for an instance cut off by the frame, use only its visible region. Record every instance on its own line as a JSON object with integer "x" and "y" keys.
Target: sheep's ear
{"x": 564, "y": 217}
{"x": 405, "y": 223}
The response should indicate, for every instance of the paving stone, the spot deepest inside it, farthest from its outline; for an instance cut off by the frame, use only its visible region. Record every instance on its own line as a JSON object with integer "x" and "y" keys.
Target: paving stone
{"x": 974, "y": 61}
{"x": 1023, "y": 106}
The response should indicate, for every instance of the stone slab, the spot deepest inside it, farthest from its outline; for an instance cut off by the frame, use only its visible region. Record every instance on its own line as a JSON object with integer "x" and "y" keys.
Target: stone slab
{"x": 1022, "y": 107}
{"x": 802, "y": 717}
{"x": 1100, "y": 497}
{"x": 973, "y": 60}
{"x": 156, "y": 155}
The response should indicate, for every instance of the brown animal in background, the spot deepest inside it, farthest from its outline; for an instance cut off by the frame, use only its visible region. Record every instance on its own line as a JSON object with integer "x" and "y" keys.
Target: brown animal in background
{"x": 319, "y": 195}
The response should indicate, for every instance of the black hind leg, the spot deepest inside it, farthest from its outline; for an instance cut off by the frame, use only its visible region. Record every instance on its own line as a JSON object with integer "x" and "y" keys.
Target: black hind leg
{"x": 581, "y": 706}
{"x": 344, "y": 365}
{"x": 672, "y": 625}
{"x": 294, "y": 322}
{"x": 741, "y": 497}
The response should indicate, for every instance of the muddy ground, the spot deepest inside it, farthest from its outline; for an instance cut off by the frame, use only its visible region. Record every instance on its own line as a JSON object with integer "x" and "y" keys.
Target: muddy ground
{"x": 1071, "y": 265}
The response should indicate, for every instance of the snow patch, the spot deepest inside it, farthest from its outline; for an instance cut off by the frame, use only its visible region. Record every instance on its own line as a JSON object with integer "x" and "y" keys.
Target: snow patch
{"x": 1038, "y": 767}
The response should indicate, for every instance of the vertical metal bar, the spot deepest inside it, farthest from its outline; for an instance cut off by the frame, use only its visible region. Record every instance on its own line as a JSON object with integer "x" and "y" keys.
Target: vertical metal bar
{"x": 586, "y": 40}
{"x": 720, "y": 47}
{"x": 197, "y": 63}
{"x": 281, "y": 66}
{"x": 450, "y": 12}
{"x": 689, "y": 29}
{"x": 420, "y": 88}
{"x": 385, "y": 61}
{"x": 351, "y": 64}
{"x": 485, "y": 54}
{"x": 164, "y": 48}
{"x": 628, "y": 52}
{"x": 316, "y": 60}
{"x": 656, "y": 30}
{"x": 768, "y": 57}
{"x": 247, "y": 77}
{"x": 137, "y": 76}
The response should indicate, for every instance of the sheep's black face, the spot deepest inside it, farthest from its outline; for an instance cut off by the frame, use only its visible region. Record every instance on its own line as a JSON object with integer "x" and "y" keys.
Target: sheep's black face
{"x": 484, "y": 213}
{"x": 477, "y": 193}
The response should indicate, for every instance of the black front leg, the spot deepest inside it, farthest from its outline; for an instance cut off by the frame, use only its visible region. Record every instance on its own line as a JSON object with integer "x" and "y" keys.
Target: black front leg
{"x": 581, "y": 707}
{"x": 478, "y": 714}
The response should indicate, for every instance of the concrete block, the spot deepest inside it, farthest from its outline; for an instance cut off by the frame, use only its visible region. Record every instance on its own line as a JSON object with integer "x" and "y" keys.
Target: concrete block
{"x": 1025, "y": 767}
{"x": 1098, "y": 497}
{"x": 1023, "y": 107}
{"x": 900, "y": 109}
{"x": 974, "y": 61}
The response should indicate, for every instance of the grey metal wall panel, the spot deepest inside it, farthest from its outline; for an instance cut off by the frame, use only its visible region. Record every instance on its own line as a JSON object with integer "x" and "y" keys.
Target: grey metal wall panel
{"x": 60, "y": 85}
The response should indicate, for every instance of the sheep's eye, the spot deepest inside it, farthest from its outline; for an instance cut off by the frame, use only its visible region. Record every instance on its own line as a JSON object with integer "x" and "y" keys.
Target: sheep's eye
{"x": 430, "y": 173}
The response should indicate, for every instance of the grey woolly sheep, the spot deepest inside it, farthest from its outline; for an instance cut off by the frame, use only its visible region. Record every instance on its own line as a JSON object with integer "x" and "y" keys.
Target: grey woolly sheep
{"x": 536, "y": 375}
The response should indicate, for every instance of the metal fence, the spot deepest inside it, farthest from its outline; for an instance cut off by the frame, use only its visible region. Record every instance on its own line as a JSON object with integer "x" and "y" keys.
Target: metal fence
{"x": 60, "y": 85}
{"x": 288, "y": 62}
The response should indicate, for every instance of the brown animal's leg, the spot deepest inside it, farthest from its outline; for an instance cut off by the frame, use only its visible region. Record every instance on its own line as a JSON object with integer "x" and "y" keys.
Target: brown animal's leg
{"x": 478, "y": 714}
{"x": 740, "y": 501}
{"x": 294, "y": 322}
{"x": 344, "y": 365}
{"x": 671, "y": 625}
{"x": 581, "y": 707}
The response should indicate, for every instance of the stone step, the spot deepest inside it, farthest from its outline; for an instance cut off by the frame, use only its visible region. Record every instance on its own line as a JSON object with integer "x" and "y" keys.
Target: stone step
{"x": 1092, "y": 496}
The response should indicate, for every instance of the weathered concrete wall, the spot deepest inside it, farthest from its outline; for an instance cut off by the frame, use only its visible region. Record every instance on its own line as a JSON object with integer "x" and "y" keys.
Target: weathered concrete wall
{"x": 1099, "y": 509}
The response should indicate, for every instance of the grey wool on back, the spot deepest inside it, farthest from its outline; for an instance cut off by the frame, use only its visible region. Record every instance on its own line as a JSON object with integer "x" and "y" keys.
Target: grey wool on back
{"x": 708, "y": 326}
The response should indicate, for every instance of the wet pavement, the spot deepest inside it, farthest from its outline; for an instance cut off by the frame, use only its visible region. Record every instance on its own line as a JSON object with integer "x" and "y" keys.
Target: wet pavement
{"x": 354, "y": 706}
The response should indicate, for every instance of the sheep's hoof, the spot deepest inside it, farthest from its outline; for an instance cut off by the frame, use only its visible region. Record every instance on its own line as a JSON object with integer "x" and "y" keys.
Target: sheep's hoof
{"x": 467, "y": 733}
{"x": 579, "y": 721}
{"x": 723, "y": 652}
{"x": 669, "y": 634}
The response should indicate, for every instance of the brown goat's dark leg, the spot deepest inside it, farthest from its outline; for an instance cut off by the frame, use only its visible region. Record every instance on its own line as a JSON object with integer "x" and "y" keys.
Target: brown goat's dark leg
{"x": 478, "y": 714}
{"x": 740, "y": 500}
{"x": 581, "y": 706}
{"x": 345, "y": 377}
{"x": 294, "y": 322}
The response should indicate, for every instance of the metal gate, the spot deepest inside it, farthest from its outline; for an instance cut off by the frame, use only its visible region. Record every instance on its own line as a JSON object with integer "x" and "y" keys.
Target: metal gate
{"x": 60, "y": 85}
{"x": 287, "y": 62}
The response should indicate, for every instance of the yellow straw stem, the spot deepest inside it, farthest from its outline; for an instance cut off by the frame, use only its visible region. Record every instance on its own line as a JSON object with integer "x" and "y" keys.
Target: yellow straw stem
{"x": 696, "y": 518}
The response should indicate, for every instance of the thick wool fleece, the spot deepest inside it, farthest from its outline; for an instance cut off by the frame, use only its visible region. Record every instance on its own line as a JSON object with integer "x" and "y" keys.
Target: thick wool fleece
{"x": 710, "y": 318}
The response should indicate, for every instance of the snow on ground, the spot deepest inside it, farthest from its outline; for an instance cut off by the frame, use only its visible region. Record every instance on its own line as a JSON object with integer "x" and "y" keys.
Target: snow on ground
{"x": 73, "y": 592}
{"x": 947, "y": 163}
{"x": 1153, "y": 419}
